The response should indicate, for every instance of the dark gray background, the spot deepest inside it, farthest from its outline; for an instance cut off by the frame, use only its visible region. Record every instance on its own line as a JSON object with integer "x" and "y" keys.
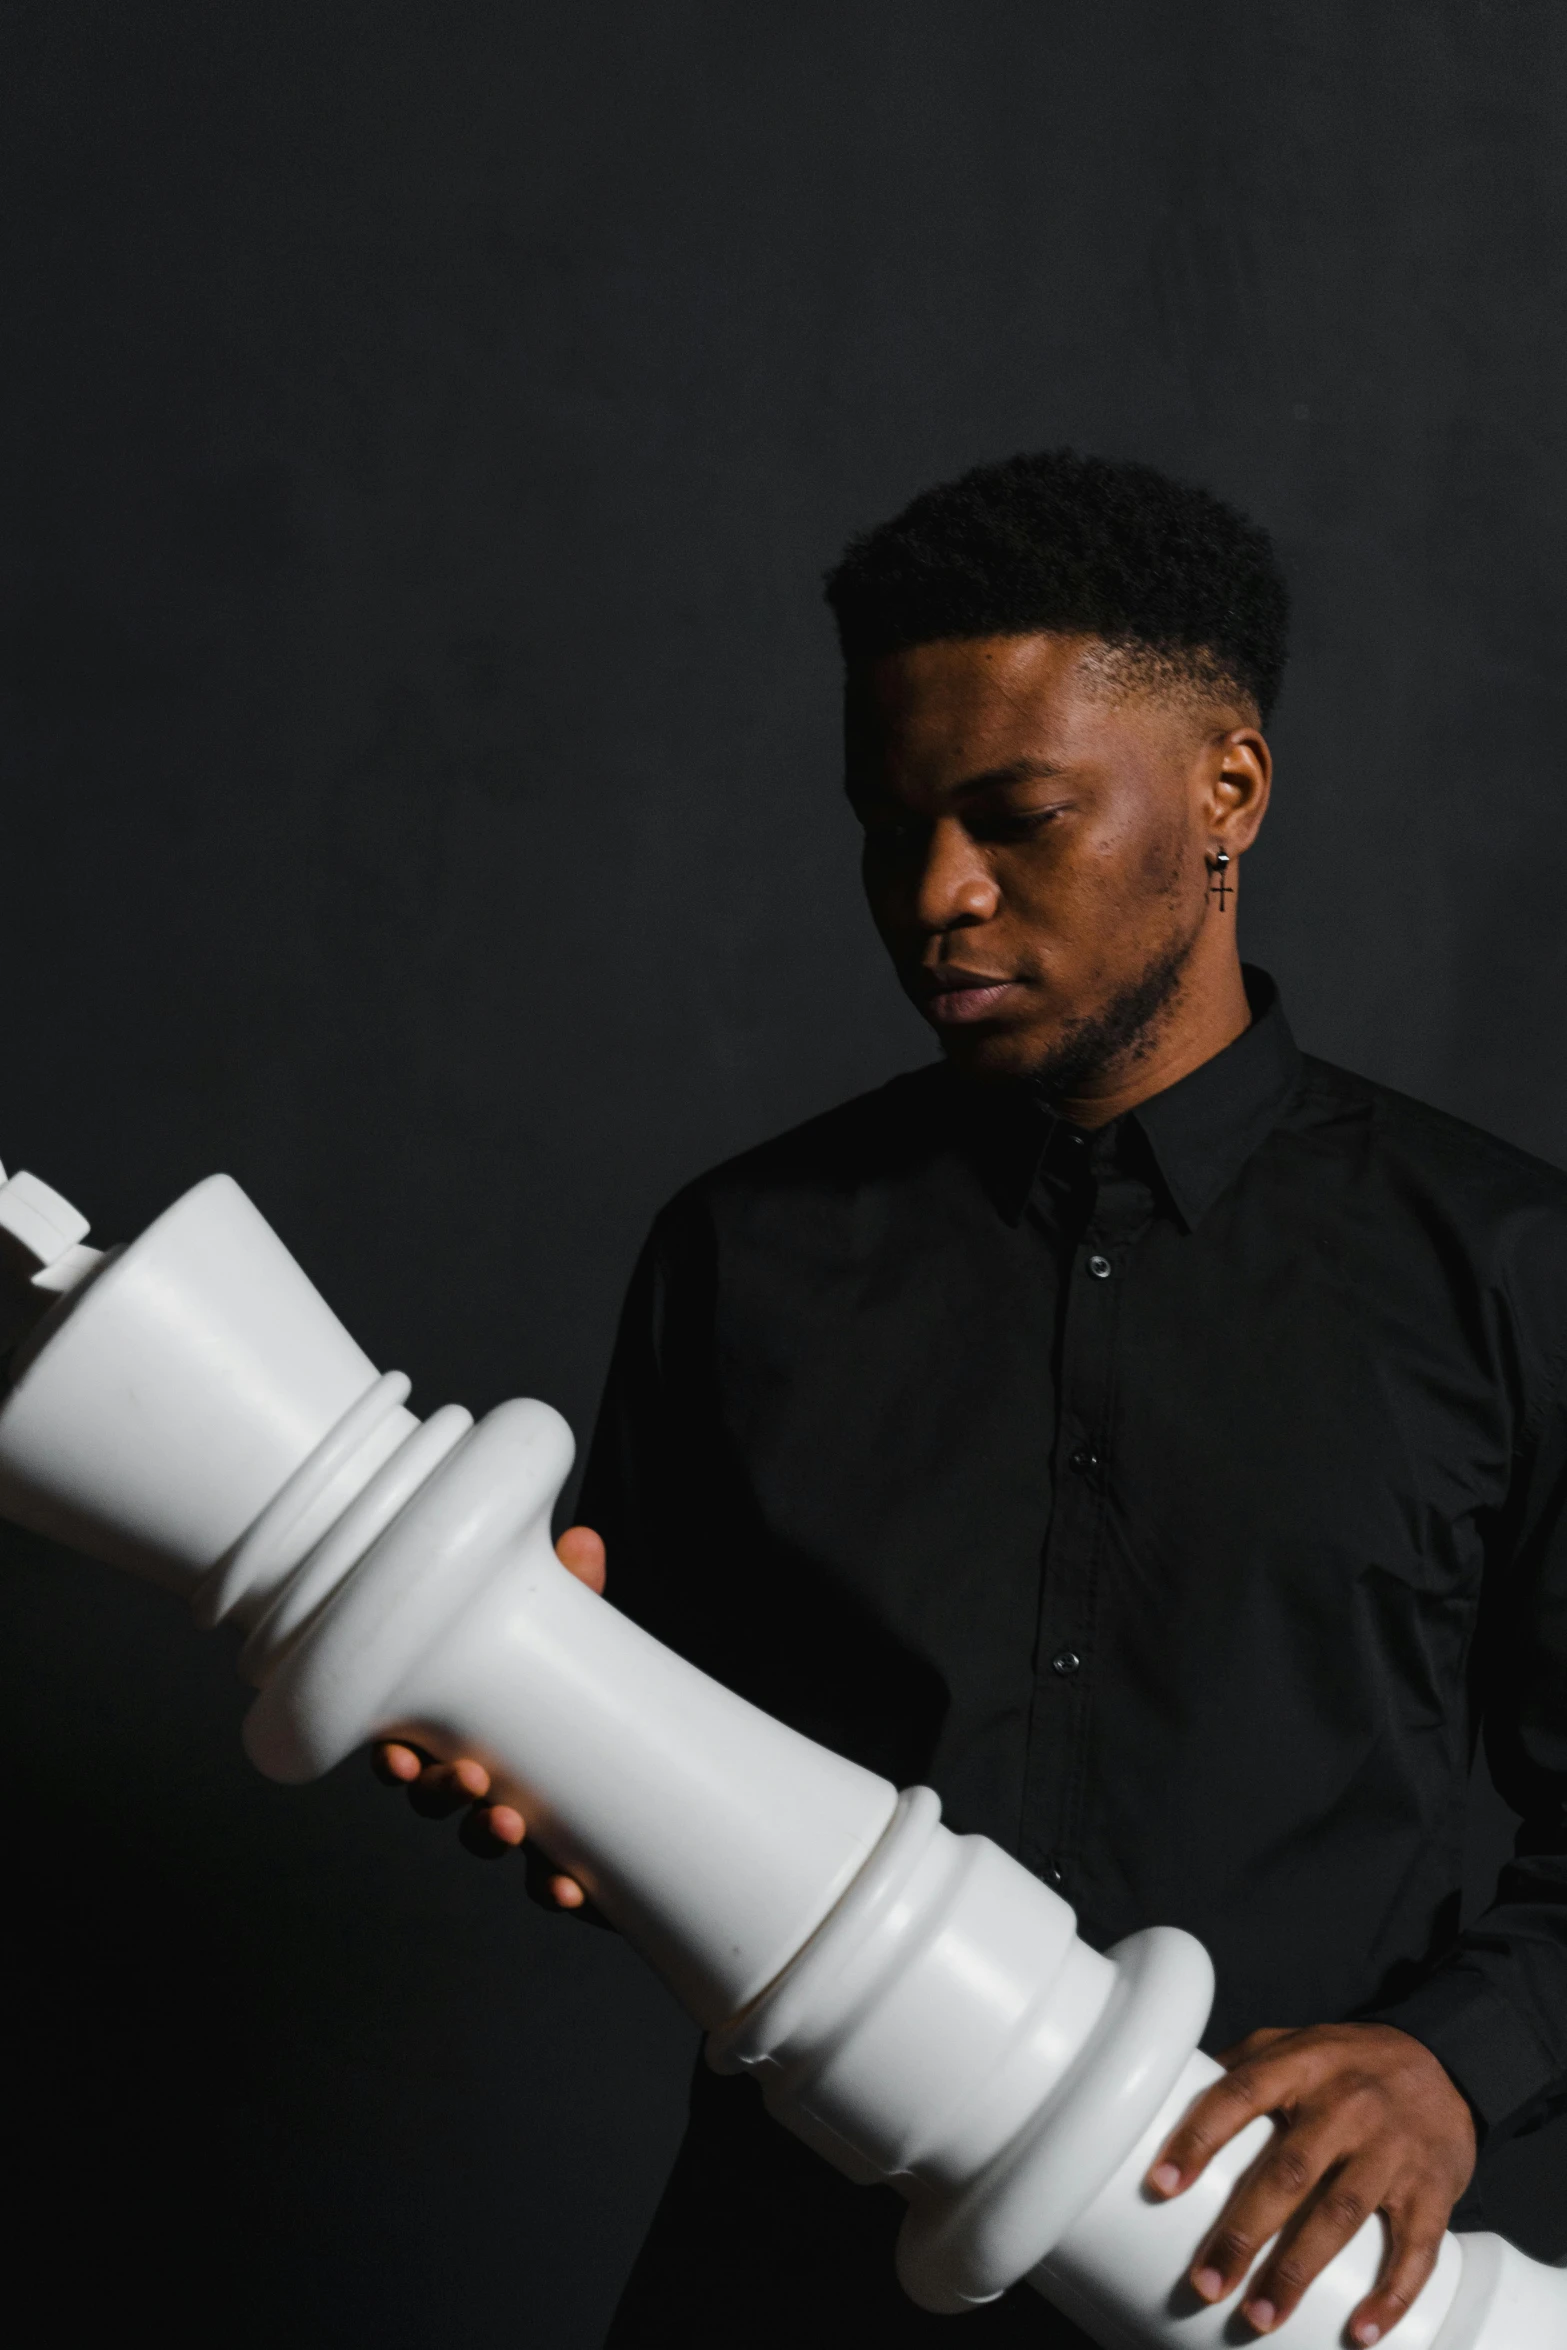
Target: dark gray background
{"x": 424, "y": 427}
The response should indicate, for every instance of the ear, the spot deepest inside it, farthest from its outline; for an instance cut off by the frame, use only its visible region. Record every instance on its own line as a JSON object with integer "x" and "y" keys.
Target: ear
{"x": 1238, "y": 779}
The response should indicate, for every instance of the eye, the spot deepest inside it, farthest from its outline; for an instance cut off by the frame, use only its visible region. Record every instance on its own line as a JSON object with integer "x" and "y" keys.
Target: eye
{"x": 1003, "y": 825}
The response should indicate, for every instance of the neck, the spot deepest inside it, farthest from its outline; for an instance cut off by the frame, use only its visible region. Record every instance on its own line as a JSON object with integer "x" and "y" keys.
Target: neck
{"x": 1207, "y": 1012}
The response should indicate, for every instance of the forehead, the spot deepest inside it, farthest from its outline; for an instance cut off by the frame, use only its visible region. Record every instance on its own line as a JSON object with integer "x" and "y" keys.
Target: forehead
{"x": 940, "y": 713}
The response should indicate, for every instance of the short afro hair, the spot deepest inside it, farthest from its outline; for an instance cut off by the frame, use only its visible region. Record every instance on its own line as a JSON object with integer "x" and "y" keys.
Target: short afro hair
{"x": 1055, "y": 540}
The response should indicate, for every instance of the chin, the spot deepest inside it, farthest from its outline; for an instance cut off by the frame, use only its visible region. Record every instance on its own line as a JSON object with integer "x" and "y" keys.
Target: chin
{"x": 993, "y": 1053}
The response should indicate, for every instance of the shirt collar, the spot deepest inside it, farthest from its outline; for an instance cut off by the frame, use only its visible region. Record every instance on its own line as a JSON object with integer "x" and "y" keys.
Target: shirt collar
{"x": 1204, "y": 1128}
{"x": 1199, "y": 1131}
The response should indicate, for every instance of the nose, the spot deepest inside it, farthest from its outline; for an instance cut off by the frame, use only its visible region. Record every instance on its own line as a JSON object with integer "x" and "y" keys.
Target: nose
{"x": 955, "y": 888}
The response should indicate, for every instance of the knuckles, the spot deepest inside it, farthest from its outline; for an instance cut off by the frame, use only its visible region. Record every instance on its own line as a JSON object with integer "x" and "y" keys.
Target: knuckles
{"x": 1290, "y": 2170}
{"x": 1237, "y": 2093}
{"x": 1288, "y": 2279}
{"x": 1402, "y": 2296}
{"x": 1401, "y": 2293}
{"x": 1347, "y": 2209}
{"x": 1343, "y": 2094}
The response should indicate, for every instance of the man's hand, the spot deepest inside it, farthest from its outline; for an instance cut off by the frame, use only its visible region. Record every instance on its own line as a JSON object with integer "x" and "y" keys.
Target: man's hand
{"x": 438, "y": 1788}
{"x": 1367, "y": 2121}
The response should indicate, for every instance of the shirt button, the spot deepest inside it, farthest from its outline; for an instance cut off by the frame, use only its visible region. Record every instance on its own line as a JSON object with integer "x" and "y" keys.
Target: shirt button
{"x": 1085, "y": 1460}
{"x": 1053, "y": 1874}
{"x": 1066, "y": 1662}
{"x": 1100, "y": 1268}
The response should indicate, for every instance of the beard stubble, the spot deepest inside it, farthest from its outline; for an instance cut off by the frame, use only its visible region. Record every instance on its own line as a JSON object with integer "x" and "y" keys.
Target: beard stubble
{"x": 1121, "y": 1032}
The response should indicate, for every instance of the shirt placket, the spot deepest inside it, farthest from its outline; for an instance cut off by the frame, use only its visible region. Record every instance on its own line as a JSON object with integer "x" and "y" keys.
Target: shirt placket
{"x": 1094, "y": 1284}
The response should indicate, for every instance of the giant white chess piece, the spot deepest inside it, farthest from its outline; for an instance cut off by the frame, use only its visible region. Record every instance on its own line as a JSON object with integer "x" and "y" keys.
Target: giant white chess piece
{"x": 913, "y": 2004}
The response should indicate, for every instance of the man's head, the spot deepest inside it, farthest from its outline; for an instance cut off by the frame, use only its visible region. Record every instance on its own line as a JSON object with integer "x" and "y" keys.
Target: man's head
{"x": 1057, "y": 674}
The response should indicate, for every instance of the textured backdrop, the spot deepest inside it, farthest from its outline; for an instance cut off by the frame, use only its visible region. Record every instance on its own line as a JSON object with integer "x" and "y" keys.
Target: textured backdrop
{"x": 423, "y": 430}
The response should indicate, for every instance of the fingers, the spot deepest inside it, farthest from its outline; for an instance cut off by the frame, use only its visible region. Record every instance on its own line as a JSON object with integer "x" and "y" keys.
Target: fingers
{"x": 1219, "y": 2115}
{"x": 580, "y": 1549}
{"x": 1415, "y": 2232}
{"x": 1368, "y": 2122}
{"x": 436, "y": 1789}
{"x": 549, "y": 1888}
{"x": 492, "y": 1830}
{"x": 1282, "y": 2178}
{"x": 444, "y": 1787}
{"x": 1341, "y": 2198}
{"x": 489, "y": 1830}
{"x": 1253, "y": 2045}
{"x": 443, "y": 1784}
{"x": 1344, "y": 2202}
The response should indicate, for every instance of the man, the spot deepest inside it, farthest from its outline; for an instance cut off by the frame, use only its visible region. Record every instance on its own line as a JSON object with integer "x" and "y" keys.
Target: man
{"x": 1146, "y": 1436}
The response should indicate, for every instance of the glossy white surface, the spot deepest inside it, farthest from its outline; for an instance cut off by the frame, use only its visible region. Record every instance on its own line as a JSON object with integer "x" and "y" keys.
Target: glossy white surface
{"x": 913, "y": 2003}
{"x": 195, "y": 1372}
{"x": 715, "y": 1838}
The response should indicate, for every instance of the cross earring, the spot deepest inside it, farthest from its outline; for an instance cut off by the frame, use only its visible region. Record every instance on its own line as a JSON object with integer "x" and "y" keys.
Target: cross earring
{"x": 1218, "y": 866}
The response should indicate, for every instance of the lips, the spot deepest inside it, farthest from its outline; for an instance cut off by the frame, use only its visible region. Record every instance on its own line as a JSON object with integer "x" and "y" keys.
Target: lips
{"x": 954, "y": 996}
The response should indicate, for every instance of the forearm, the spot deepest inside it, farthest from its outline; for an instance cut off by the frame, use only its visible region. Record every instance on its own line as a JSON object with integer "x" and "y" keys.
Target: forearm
{"x": 1493, "y": 2008}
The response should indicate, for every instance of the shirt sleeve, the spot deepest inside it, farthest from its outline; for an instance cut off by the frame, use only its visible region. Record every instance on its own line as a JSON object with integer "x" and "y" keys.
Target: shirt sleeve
{"x": 1494, "y": 2007}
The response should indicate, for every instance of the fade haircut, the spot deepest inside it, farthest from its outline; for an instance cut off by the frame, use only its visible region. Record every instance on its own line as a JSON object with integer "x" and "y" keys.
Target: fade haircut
{"x": 1180, "y": 584}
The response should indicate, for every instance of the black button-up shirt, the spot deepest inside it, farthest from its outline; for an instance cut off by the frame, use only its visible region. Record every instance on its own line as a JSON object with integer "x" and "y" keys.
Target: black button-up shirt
{"x": 1176, "y": 1500}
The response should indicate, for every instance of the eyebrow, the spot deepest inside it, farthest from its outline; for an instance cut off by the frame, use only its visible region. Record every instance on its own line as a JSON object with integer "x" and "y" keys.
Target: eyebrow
{"x": 1016, "y": 771}
{"x": 989, "y": 779}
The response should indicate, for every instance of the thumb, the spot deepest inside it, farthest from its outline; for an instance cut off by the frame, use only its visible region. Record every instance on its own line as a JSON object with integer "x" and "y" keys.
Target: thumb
{"x": 580, "y": 1549}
